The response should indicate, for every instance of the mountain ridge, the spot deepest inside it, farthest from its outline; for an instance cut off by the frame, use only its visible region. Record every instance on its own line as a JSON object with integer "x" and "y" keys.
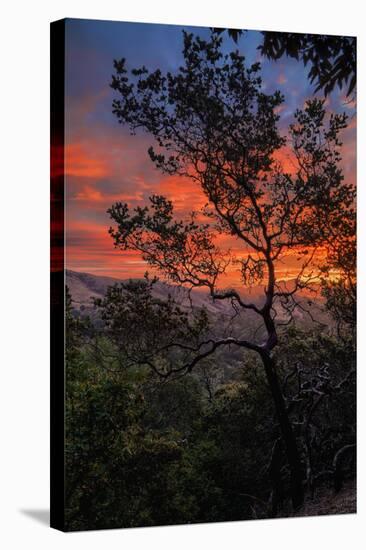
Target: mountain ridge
{"x": 84, "y": 287}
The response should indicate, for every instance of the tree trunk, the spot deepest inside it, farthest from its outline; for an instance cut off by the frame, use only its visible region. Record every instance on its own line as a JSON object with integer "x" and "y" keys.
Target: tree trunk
{"x": 292, "y": 453}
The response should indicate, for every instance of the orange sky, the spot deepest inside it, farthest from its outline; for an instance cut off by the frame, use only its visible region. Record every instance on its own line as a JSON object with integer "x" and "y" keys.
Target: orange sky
{"x": 89, "y": 246}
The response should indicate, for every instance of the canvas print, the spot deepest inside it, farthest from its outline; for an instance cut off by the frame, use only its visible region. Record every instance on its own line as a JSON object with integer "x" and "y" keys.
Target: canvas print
{"x": 203, "y": 202}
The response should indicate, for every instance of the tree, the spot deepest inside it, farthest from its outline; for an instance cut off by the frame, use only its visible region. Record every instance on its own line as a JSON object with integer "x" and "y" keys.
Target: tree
{"x": 319, "y": 374}
{"x": 332, "y": 59}
{"x": 212, "y": 123}
{"x": 149, "y": 331}
{"x": 341, "y": 292}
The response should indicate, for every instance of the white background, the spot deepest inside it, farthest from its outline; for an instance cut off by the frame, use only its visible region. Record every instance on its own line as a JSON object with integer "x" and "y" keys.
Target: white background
{"x": 24, "y": 288}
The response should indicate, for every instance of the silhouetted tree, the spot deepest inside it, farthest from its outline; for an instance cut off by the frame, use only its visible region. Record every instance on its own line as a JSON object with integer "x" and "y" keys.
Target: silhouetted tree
{"x": 213, "y": 124}
{"x": 332, "y": 59}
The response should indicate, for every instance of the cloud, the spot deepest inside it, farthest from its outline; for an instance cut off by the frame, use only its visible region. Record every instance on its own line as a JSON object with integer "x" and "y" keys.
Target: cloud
{"x": 281, "y": 79}
{"x": 79, "y": 163}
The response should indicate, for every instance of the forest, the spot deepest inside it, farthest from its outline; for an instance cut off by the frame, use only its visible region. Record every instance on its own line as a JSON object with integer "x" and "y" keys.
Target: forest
{"x": 191, "y": 398}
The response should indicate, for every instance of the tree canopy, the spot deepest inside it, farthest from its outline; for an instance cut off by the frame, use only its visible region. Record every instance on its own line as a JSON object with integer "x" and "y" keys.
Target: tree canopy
{"x": 212, "y": 123}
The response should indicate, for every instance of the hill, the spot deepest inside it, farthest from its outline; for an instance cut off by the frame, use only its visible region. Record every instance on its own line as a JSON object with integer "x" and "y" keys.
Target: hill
{"x": 84, "y": 287}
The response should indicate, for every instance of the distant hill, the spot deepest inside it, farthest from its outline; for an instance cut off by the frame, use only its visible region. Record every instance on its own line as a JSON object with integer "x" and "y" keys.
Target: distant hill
{"x": 84, "y": 287}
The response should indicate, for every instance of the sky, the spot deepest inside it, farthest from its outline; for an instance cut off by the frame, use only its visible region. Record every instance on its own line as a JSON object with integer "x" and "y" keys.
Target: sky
{"x": 104, "y": 164}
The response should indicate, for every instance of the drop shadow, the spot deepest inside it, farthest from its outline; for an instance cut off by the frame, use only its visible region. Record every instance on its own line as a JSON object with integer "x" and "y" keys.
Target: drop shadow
{"x": 40, "y": 515}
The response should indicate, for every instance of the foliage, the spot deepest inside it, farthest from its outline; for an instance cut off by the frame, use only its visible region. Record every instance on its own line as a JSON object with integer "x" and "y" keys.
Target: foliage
{"x": 341, "y": 294}
{"x": 165, "y": 336}
{"x": 141, "y": 451}
{"x": 144, "y": 452}
{"x": 319, "y": 372}
{"x": 332, "y": 59}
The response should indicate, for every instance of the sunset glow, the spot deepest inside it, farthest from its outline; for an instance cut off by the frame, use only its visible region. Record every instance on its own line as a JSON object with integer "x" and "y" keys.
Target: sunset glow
{"x": 104, "y": 164}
